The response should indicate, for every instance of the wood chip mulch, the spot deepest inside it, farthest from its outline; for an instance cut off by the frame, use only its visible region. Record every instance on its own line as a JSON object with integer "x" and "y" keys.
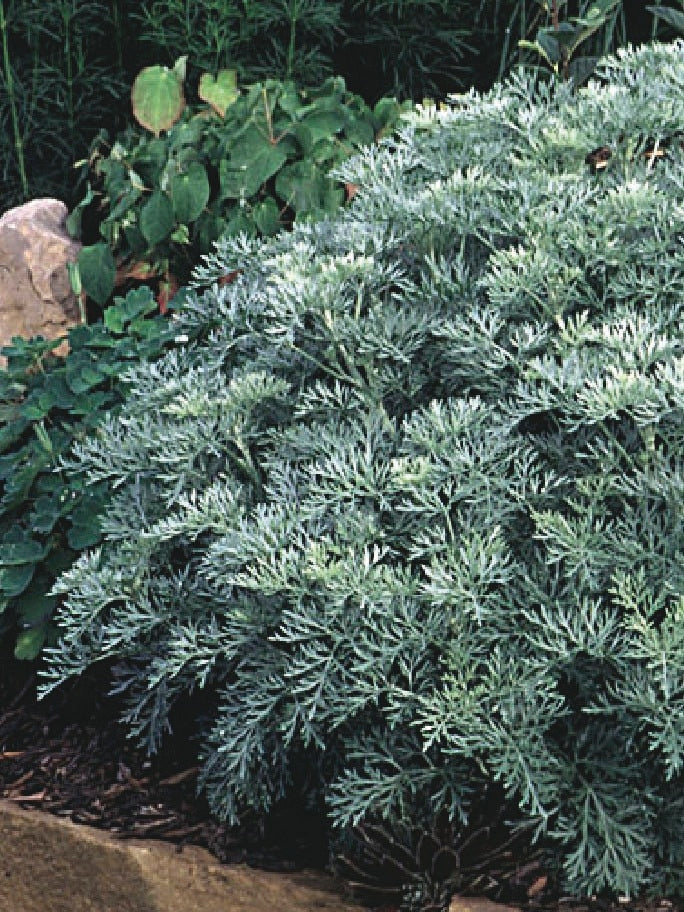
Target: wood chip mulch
{"x": 68, "y": 755}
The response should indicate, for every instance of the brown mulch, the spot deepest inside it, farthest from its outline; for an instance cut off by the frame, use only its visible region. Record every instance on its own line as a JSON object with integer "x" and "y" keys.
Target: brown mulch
{"x": 68, "y": 755}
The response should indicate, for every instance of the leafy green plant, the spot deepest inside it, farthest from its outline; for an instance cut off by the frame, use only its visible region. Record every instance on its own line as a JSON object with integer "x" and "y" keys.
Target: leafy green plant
{"x": 47, "y": 403}
{"x": 417, "y": 522}
{"x": 670, "y": 16}
{"x": 557, "y": 42}
{"x": 250, "y": 162}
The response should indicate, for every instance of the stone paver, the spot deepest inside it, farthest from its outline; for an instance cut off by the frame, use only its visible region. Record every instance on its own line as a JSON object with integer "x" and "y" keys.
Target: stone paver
{"x": 48, "y": 864}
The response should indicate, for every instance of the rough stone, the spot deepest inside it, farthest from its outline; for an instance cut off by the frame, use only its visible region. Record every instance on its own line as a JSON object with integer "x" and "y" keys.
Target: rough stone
{"x": 48, "y": 864}
{"x": 35, "y": 292}
{"x": 478, "y": 904}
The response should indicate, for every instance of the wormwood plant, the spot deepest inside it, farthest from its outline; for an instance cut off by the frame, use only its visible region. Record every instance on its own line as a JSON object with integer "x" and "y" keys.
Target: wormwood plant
{"x": 413, "y": 508}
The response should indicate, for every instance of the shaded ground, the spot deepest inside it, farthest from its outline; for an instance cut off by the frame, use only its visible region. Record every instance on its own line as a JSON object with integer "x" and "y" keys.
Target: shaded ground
{"x": 68, "y": 755}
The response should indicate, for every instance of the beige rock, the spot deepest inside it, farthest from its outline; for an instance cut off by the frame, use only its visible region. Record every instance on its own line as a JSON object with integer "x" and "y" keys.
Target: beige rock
{"x": 475, "y": 904}
{"x": 35, "y": 292}
{"x": 48, "y": 864}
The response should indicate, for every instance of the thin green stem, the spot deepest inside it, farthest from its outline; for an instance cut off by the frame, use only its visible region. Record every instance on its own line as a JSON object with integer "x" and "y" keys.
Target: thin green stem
{"x": 118, "y": 32}
{"x": 12, "y": 99}
{"x": 71, "y": 114}
{"x": 294, "y": 13}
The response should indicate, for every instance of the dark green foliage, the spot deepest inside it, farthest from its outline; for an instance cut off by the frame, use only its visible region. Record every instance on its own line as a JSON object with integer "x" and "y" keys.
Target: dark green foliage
{"x": 47, "y": 404}
{"x": 59, "y": 77}
{"x": 418, "y": 515}
{"x": 674, "y": 18}
{"x": 558, "y": 41}
{"x": 66, "y": 65}
{"x": 419, "y": 867}
{"x": 413, "y": 48}
{"x": 285, "y": 39}
{"x": 162, "y": 200}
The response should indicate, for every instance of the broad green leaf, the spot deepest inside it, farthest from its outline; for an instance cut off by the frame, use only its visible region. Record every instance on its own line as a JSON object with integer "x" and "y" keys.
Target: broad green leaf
{"x": 324, "y": 124}
{"x": 46, "y": 513}
{"x": 16, "y": 553}
{"x": 305, "y": 188}
{"x": 33, "y": 408}
{"x": 63, "y": 397}
{"x": 157, "y": 98}
{"x": 124, "y": 204}
{"x": 387, "y": 111}
{"x": 209, "y": 228}
{"x": 267, "y": 216}
{"x": 82, "y": 372}
{"x": 289, "y": 100}
{"x": 84, "y": 534}
{"x": 97, "y": 270}
{"x": 13, "y": 580}
{"x": 10, "y": 433}
{"x": 541, "y": 50}
{"x": 581, "y": 68}
{"x": 138, "y": 302}
{"x": 85, "y": 528}
{"x": 190, "y": 193}
{"x": 30, "y": 642}
{"x": 135, "y": 239}
{"x": 303, "y": 135}
{"x": 253, "y": 160}
{"x": 551, "y": 48}
{"x": 156, "y": 218}
{"x": 360, "y": 132}
{"x": 35, "y": 605}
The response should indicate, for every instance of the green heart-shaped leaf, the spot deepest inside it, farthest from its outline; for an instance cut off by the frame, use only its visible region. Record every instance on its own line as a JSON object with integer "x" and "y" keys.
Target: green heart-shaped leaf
{"x": 219, "y": 92}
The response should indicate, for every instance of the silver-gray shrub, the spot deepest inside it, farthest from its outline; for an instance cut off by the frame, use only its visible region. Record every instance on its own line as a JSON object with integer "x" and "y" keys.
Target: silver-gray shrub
{"x": 414, "y": 505}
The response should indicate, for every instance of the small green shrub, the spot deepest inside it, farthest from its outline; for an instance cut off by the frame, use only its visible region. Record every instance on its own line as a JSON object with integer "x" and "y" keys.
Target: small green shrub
{"x": 48, "y": 403}
{"x": 417, "y": 516}
{"x": 249, "y": 163}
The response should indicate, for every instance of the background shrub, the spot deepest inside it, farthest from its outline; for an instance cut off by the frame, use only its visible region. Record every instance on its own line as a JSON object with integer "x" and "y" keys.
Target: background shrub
{"x": 66, "y": 65}
{"x": 47, "y": 403}
{"x": 413, "y": 508}
{"x": 245, "y": 161}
